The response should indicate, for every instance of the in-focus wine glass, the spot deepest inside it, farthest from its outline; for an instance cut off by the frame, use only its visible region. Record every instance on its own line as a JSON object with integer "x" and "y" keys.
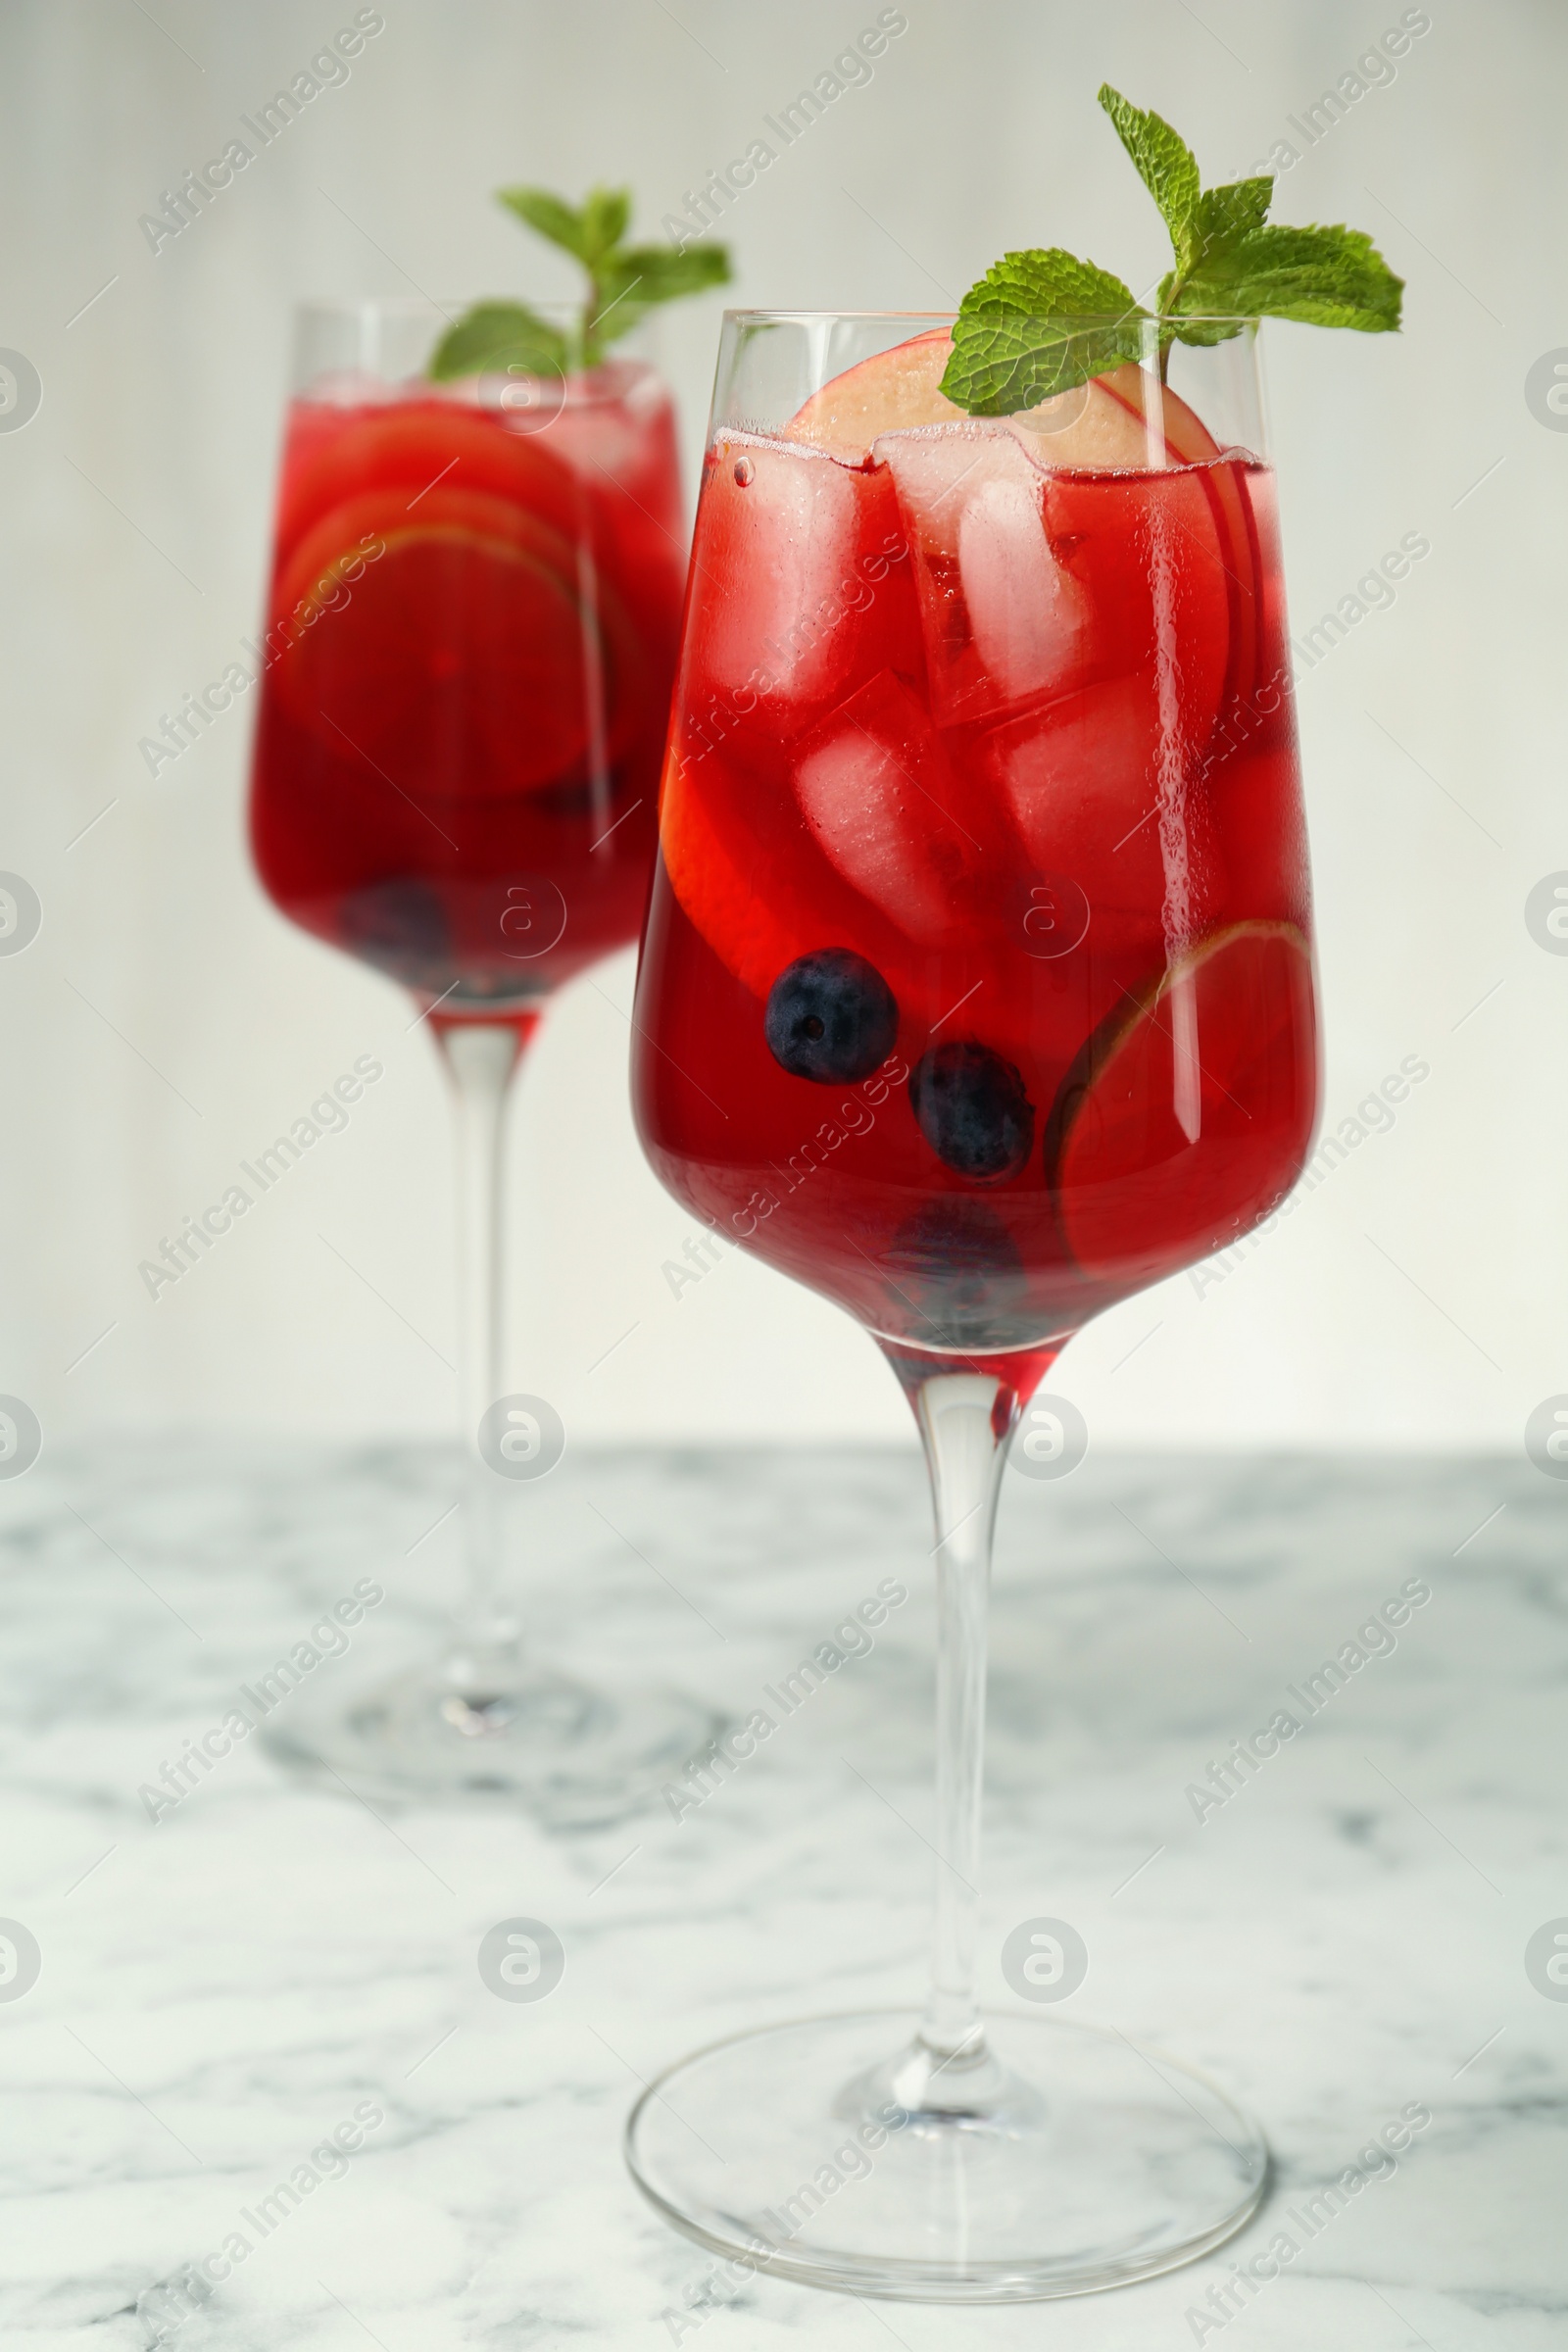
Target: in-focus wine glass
{"x": 472, "y": 634}
{"x": 977, "y": 993}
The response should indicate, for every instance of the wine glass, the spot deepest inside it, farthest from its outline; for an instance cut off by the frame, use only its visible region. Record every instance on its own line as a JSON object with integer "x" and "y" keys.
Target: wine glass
{"x": 472, "y": 634}
{"x": 977, "y": 993}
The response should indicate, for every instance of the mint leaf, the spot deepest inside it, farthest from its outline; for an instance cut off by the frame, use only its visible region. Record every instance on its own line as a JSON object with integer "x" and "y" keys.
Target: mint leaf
{"x": 639, "y": 276}
{"x": 497, "y": 335}
{"x": 1228, "y": 213}
{"x": 560, "y": 222}
{"x": 1037, "y": 323}
{"x": 1166, "y": 165}
{"x": 1175, "y": 326}
{"x": 1207, "y": 331}
{"x": 1325, "y": 277}
{"x": 624, "y": 283}
{"x": 604, "y": 215}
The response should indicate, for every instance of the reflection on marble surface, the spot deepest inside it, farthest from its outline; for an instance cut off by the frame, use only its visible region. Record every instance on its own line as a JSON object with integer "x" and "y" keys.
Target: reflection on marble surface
{"x": 223, "y": 1990}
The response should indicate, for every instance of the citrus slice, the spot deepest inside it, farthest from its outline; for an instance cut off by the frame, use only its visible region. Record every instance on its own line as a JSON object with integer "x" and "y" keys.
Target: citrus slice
{"x": 460, "y": 660}
{"x": 405, "y": 451}
{"x": 1188, "y": 1112}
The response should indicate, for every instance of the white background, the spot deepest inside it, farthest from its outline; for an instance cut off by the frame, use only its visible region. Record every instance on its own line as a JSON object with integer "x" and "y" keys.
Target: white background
{"x": 167, "y": 1022}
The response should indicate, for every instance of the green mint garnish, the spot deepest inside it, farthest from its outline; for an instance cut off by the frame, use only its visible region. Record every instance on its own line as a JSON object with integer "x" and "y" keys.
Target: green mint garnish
{"x": 495, "y": 335}
{"x": 1040, "y": 322}
{"x": 624, "y": 283}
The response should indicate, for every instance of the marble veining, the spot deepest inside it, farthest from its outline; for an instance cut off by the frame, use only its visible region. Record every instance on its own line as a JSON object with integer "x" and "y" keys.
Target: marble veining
{"x": 1340, "y": 1935}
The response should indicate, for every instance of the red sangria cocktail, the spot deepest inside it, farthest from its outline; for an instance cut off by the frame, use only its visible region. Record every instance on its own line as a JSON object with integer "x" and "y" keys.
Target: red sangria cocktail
{"x": 976, "y": 992}
{"x": 983, "y": 867}
{"x": 475, "y": 606}
{"x": 472, "y": 637}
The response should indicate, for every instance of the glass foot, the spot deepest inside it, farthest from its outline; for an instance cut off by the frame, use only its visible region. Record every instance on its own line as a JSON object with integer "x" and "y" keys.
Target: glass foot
{"x": 499, "y": 1733}
{"x": 1060, "y": 2159}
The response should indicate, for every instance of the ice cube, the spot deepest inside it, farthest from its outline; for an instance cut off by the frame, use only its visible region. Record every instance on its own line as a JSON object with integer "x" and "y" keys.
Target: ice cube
{"x": 876, "y": 791}
{"x": 1004, "y": 621}
{"x": 1098, "y": 792}
{"x": 774, "y": 551}
{"x": 1080, "y": 777}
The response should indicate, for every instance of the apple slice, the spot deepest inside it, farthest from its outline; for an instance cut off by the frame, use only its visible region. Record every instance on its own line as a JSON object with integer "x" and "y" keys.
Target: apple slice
{"x": 1097, "y": 426}
{"x": 887, "y": 394}
{"x": 1186, "y": 437}
{"x": 1103, "y": 426}
{"x": 752, "y": 921}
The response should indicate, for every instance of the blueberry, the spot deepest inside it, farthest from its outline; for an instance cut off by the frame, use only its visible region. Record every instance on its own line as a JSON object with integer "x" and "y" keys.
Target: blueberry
{"x": 972, "y": 1109}
{"x": 830, "y": 1016}
{"x": 400, "y": 926}
{"x": 957, "y": 1271}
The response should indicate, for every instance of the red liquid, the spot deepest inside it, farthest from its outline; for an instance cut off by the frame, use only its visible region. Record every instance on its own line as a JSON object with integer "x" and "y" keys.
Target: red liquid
{"x": 471, "y": 640}
{"x": 1023, "y": 740}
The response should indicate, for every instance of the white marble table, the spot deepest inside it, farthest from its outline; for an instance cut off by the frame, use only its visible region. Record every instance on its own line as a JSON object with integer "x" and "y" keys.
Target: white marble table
{"x": 221, "y": 1989}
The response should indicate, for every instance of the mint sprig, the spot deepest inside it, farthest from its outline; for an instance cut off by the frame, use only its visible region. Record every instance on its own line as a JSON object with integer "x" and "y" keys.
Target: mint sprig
{"x": 625, "y": 283}
{"x": 1042, "y": 321}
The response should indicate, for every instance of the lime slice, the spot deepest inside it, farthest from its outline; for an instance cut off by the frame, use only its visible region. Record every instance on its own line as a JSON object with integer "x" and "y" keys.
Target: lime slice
{"x": 461, "y": 662}
{"x": 1187, "y": 1114}
{"x": 403, "y": 451}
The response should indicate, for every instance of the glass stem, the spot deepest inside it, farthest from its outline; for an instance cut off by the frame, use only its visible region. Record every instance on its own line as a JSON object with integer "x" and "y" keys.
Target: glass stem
{"x": 480, "y": 1058}
{"x": 965, "y": 1419}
